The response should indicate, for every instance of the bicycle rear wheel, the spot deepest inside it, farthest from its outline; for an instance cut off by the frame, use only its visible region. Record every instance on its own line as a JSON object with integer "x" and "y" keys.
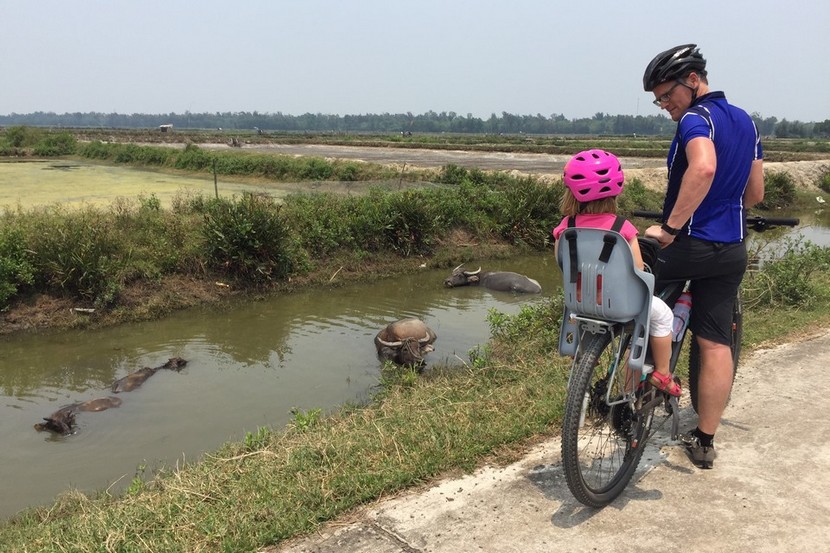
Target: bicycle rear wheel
{"x": 694, "y": 352}
{"x": 601, "y": 444}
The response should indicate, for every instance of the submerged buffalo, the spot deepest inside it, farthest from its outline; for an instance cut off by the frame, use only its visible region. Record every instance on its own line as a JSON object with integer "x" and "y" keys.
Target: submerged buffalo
{"x": 62, "y": 420}
{"x": 405, "y": 342}
{"x": 137, "y": 378}
{"x": 500, "y": 281}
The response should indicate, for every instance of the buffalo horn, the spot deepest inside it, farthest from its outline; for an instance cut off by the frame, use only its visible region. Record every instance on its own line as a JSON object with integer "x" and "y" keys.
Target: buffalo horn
{"x": 471, "y": 273}
{"x": 389, "y": 344}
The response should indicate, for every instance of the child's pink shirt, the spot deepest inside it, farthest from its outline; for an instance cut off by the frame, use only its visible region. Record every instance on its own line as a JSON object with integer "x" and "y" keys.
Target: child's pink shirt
{"x": 600, "y": 220}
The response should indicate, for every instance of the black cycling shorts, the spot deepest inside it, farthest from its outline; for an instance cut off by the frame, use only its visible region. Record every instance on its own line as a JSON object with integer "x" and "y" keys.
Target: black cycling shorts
{"x": 715, "y": 270}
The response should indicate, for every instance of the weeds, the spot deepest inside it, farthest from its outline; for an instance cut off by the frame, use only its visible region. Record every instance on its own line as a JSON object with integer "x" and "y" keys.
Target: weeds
{"x": 824, "y": 182}
{"x": 248, "y": 239}
{"x": 779, "y": 191}
{"x": 788, "y": 280}
{"x": 16, "y": 272}
{"x": 257, "y": 440}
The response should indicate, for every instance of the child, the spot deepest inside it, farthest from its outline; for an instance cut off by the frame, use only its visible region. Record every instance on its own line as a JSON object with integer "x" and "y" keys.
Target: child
{"x": 593, "y": 179}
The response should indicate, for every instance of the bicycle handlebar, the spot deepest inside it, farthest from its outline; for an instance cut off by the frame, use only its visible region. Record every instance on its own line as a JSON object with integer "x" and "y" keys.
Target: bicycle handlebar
{"x": 758, "y": 223}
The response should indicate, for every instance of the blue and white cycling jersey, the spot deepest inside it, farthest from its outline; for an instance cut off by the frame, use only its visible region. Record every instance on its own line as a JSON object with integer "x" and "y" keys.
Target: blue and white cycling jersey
{"x": 721, "y": 216}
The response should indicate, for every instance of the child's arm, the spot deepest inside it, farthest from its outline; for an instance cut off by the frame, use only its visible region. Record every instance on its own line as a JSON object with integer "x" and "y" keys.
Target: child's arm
{"x": 635, "y": 249}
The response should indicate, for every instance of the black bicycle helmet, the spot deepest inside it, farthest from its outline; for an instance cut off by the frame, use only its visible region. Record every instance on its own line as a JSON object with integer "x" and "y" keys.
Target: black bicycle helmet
{"x": 673, "y": 64}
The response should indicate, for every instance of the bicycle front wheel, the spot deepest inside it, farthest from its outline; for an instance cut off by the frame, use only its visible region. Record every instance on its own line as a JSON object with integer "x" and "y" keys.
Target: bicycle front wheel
{"x": 601, "y": 444}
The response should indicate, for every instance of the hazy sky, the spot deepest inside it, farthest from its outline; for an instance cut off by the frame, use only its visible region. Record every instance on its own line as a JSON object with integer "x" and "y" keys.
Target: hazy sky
{"x": 344, "y": 57}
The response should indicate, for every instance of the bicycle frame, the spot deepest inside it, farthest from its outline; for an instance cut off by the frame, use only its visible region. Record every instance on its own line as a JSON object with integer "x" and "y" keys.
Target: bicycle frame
{"x": 610, "y": 408}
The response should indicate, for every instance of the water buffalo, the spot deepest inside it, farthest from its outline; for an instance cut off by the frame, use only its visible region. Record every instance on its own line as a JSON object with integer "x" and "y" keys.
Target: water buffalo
{"x": 406, "y": 341}
{"x": 137, "y": 378}
{"x": 99, "y": 404}
{"x": 62, "y": 420}
{"x": 500, "y": 281}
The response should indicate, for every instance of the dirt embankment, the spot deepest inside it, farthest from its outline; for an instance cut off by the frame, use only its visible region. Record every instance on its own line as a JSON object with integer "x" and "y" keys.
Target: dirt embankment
{"x": 805, "y": 174}
{"x": 548, "y": 167}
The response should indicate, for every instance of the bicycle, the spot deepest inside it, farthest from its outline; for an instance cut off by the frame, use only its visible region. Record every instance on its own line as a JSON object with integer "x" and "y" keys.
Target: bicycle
{"x": 611, "y": 407}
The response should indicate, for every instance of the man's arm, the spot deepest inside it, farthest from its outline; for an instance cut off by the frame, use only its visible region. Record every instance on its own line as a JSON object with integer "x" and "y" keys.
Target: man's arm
{"x": 696, "y": 180}
{"x": 754, "y": 193}
{"x": 700, "y": 152}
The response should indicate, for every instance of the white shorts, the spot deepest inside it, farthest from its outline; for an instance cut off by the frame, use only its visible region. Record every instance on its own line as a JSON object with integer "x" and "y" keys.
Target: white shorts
{"x": 661, "y": 319}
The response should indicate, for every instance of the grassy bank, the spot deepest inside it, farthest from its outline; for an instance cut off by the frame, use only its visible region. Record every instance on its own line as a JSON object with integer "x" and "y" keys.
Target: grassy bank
{"x": 278, "y": 483}
{"x": 110, "y": 258}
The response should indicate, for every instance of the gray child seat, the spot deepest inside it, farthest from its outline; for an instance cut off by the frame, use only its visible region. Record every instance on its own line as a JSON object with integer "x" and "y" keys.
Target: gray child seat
{"x": 601, "y": 282}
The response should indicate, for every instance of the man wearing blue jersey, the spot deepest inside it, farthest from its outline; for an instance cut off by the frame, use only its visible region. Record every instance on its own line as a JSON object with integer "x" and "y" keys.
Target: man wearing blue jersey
{"x": 715, "y": 174}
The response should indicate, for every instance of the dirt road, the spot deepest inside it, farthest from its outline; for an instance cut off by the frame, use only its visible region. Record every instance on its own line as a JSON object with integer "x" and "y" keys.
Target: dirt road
{"x": 651, "y": 171}
{"x": 768, "y": 491}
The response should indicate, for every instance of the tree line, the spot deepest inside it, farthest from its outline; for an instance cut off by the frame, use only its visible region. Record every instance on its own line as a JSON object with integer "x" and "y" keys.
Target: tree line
{"x": 429, "y": 122}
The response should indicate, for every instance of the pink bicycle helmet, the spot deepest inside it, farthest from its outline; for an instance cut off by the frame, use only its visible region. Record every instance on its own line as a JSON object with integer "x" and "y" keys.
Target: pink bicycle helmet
{"x": 593, "y": 175}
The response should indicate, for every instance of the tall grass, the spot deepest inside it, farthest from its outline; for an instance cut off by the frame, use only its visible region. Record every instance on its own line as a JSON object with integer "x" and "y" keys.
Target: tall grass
{"x": 92, "y": 253}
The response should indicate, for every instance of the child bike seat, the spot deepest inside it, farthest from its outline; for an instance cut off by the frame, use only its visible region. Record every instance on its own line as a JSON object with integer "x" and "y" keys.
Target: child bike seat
{"x": 601, "y": 282}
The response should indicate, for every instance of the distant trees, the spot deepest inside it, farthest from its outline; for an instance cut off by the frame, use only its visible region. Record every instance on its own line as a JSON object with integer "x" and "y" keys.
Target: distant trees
{"x": 822, "y": 129}
{"x": 430, "y": 122}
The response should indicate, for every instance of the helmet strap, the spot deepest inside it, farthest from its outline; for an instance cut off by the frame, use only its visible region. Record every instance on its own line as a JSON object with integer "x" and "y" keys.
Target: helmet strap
{"x": 693, "y": 89}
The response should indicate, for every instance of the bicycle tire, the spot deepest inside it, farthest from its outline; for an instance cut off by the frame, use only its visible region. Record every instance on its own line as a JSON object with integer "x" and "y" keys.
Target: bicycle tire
{"x": 694, "y": 353}
{"x": 601, "y": 445}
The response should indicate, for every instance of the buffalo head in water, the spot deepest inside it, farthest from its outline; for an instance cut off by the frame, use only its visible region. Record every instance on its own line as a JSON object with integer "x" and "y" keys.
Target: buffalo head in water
{"x": 405, "y": 341}
{"x": 62, "y": 421}
{"x": 137, "y": 378}
{"x": 500, "y": 281}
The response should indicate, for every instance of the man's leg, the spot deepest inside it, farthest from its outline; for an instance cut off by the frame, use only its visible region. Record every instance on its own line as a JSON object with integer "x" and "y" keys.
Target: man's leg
{"x": 716, "y": 374}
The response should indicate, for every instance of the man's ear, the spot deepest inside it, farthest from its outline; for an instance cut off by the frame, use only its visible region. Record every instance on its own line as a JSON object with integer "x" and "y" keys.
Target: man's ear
{"x": 693, "y": 80}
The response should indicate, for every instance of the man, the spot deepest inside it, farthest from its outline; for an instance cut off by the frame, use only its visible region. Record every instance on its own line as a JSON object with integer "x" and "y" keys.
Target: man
{"x": 715, "y": 174}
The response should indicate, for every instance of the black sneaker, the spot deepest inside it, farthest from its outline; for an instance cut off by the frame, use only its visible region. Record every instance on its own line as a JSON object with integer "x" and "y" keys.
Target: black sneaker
{"x": 702, "y": 456}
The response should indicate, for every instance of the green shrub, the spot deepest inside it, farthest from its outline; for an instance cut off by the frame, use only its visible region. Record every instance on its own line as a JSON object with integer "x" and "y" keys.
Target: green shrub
{"x": 60, "y": 144}
{"x": 320, "y": 221}
{"x": 15, "y": 269}
{"x": 247, "y": 238}
{"x": 452, "y": 174}
{"x": 77, "y": 252}
{"x": 95, "y": 150}
{"x": 779, "y": 191}
{"x": 540, "y": 320}
{"x": 824, "y": 182}
{"x": 788, "y": 280}
{"x": 193, "y": 158}
{"x": 635, "y": 195}
{"x": 21, "y": 136}
{"x": 314, "y": 168}
{"x": 348, "y": 172}
{"x": 409, "y": 223}
{"x": 528, "y": 212}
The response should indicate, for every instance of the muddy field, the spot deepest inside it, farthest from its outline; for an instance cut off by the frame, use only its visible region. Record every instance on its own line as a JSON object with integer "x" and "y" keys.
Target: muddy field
{"x": 652, "y": 172}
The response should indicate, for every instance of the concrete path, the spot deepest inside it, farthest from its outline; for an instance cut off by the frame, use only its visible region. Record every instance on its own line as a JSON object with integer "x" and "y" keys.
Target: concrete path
{"x": 768, "y": 492}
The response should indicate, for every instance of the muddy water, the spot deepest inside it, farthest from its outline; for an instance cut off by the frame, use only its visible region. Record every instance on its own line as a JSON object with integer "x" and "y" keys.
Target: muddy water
{"x": 247, "y": 367}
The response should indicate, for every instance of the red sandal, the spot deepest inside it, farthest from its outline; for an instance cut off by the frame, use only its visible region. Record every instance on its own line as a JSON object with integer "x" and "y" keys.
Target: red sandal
{"x": 665, "y": 383}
